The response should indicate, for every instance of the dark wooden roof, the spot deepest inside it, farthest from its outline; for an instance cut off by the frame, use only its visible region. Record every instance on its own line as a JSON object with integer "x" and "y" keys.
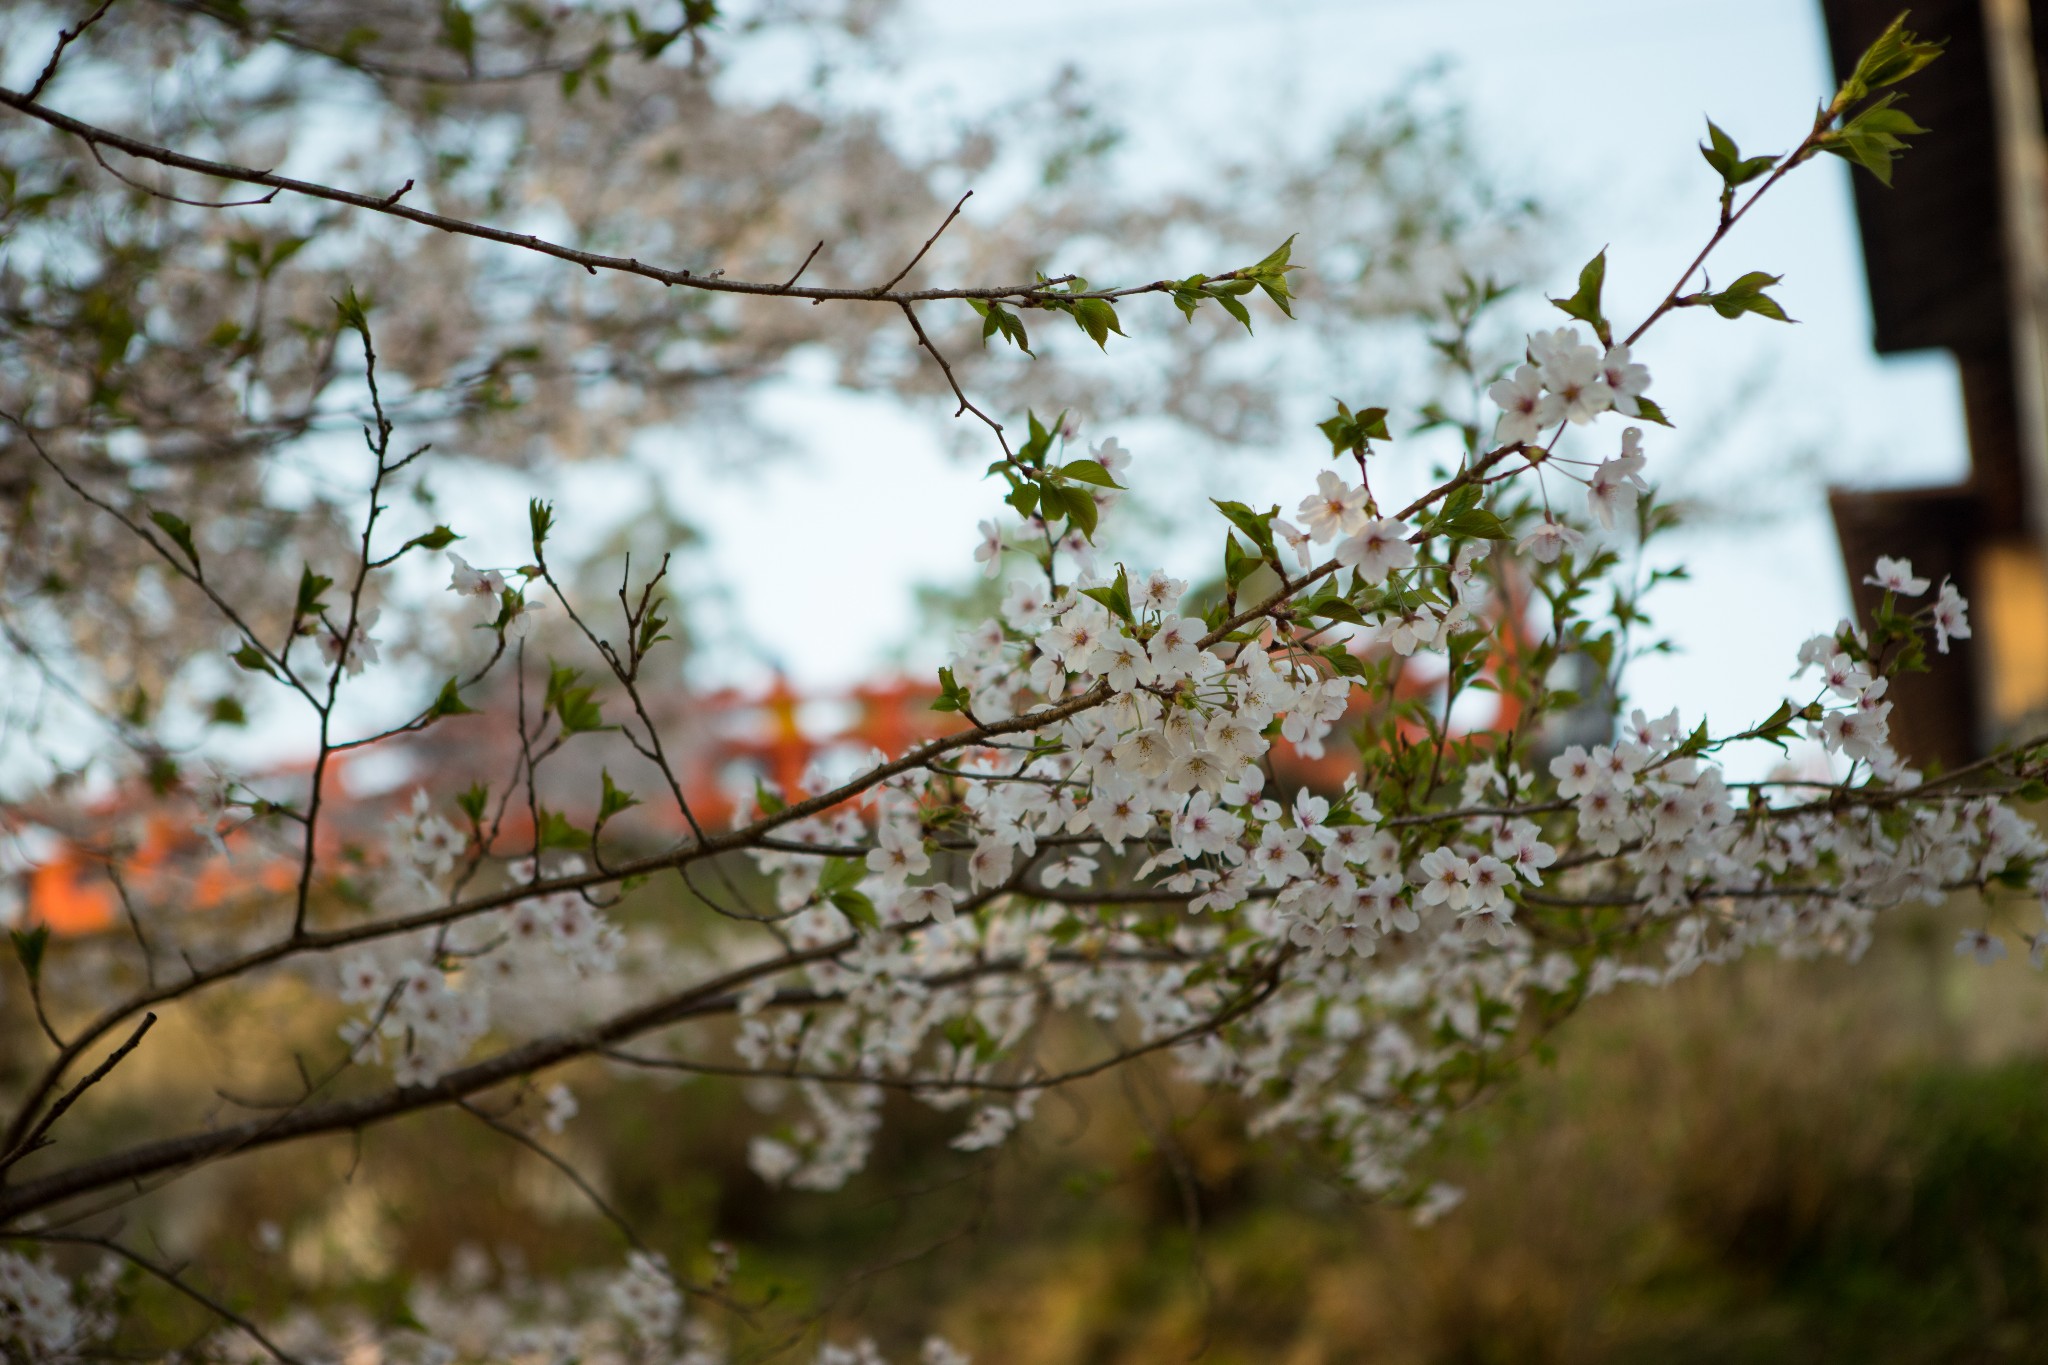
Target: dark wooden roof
{"x": 1933, "y": 242}
{"x": 1934, "y": 256}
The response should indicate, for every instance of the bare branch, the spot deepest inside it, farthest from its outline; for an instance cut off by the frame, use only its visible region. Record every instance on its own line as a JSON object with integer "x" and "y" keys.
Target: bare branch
{"x": 1026, "y": 295}
{"x": 65, "y": 38}
{"x": 898, "y": 277}
{"x": 156, "y": 193}
{"x": 790, "y": 283}
{"x": 35, "y": 1140}
{"x": 574, "y": 1176}
{"x": 965, "y": 406}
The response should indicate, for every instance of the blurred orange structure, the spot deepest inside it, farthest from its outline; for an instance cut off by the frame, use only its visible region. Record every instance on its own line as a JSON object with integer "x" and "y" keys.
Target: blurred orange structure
{"x": 74, "y": 893}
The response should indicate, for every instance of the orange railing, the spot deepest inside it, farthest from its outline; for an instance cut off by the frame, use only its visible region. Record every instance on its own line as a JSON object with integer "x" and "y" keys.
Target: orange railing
{"x": 731, "y": 738}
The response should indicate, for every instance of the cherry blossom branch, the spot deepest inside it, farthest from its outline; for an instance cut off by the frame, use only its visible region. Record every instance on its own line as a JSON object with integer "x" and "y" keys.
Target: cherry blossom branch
{"x": 1027, "y": 295}
{"x": 189, "y": 571}
{"x": 1265, "y": 983}
{"x": 309, "y": 941}
{"x": 720, "y": 994}
{"x": 1730, "y": 217}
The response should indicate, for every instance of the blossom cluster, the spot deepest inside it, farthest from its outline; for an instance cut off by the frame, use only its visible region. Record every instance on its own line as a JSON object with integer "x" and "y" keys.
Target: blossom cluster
{"x": 428, "y": 1001}
{"x": 1391, "y": 949}
{"x": 37, "y": 1316}
{"x": 1134, "y": 860}
{"x": 1565, "y": 379}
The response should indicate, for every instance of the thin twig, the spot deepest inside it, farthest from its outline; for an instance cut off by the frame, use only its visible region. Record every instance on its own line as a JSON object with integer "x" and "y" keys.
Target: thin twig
{"x": 65, "y": 38}
{"x": 35, "y": 1139}
{"x": 959, "y": 393}
{"x": 790, "y": 283}
{"x": 898, "y": 278}
{"x": 1023, "y": 294}
{"x": 154, "y": 192}
{"x": 574, "y": 1176}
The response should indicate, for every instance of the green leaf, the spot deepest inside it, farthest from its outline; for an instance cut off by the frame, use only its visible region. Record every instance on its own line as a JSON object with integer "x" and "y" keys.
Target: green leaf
{"x": 1873, "y": 138}
{"x": 1600, "y": 649}
{"x": 1475, "y": 523}
{"x": 1189, "y": 293}
{"x": 1354, "y": 431}
{"x": 952, "y": 696}
{"x": 858, "y": 908}
{"x": 1650, "y": 412}
{"x": 1585, "y": 304}
{"x": 1034, "y": 449}
{"x": 1256, "y": 527}
{"x": 613, "y": 800}
{"x": 1697, "y": 741}
{"x": 1747, "y": 295}
{"x": 1271, "y": 273}
{"x": 311, "y": 586}
{"x": 572, "y": 703}
{"x": 840, "y": 874}
{"x": 440, "y": 538}
{"x": 178, "y": 531}
{"x": 162, "y": 775}
{"x": 1088, "y": 471}
{"x": 1778, "y": 728}
{"x": 227, "y": 711}
{"x": 354, "y": 311}
{"x": 1277, "y": 258}
{"x": 1234, "y": 308}
{"x": 458, "y": 32}
{"x": 252, "y": 658}
{"x": 1237, "y": 565}
{"x": 997, "y": 320}
{"x": 1335, "y": 609}
{"x": 1117, "y": 597}
{"x": 1462, "y": 499}
{"x": 1080, "y": 508}
{"x": 29, "y": 946}
{"x": 474, "y": 801}
{"x": 1097, "y": 317}
{"x": 449, "y": 703}
{"x": 1343, "y": 660}
{"x": 578, "y": 712}
{"x": 1896, "y": 54}
{"x": 653, "y": 630}
{"x": 1728, "y": 161}
{"x": 540, "y": 517}
{"x": 557, "y": 832}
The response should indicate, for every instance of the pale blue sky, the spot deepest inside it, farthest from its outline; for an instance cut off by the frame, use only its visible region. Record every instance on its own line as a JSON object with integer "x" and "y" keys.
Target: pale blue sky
{"x": 1596, "y": 105}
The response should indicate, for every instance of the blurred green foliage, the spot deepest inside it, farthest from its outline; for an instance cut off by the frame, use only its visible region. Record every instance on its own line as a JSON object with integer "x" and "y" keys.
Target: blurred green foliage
{"x": 1778, "y": 1162}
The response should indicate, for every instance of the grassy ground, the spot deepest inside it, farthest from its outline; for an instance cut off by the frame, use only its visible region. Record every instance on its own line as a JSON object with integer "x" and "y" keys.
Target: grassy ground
{"x": 1808, "y": 1162}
